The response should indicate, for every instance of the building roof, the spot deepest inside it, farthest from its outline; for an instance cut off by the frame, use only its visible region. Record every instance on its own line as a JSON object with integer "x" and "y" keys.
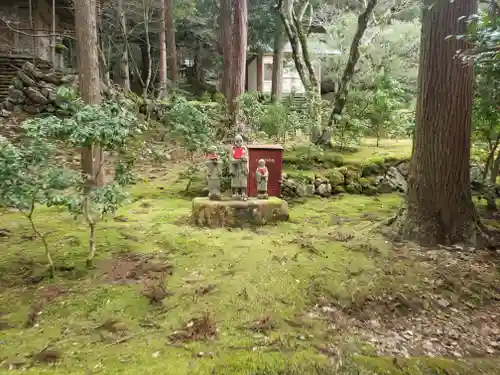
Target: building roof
{"x": 316, "y": 47}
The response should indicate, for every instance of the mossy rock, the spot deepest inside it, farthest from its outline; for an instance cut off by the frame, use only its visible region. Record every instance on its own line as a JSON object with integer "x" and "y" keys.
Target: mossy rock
{"x": 339, "y": 189}
{"x": 335, "y": 177}
{"x": 354, "y": 188}
{"x": 311, "y": 158}
{"x": 236, "y": 213}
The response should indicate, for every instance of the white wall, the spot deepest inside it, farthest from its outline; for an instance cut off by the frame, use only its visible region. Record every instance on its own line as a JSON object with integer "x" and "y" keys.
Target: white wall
{"x": 252, "y": 75}
{"x": 291, "y": 79}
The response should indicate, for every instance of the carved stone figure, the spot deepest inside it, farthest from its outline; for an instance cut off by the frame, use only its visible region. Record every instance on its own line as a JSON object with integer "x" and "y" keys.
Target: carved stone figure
{"x": 214, "y": 173}
{"x": 262, "y": 175}
{"x": 239, "y": 169}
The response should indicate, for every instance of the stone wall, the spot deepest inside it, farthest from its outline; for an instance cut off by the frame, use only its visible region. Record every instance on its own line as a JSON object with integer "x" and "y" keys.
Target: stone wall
{"x": 34, "y": 91}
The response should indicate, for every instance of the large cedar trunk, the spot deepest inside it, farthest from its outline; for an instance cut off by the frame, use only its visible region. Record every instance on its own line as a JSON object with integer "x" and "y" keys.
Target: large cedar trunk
{"x": 278, "y": 58}
{"x": 163, "y": 53}
{"x": 440, "y": 208}
{"x": 239, "y": 57}
{"x": 226, "y": 30}
{"x": 92, "y": 160}
{"x": 124, "y": 65}
{"x": 171, "y": 48}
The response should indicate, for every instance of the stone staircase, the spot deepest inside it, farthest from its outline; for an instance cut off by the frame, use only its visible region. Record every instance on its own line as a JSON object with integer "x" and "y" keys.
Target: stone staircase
{"x": 9, "y": 65}
{"x": 297, "y": 102}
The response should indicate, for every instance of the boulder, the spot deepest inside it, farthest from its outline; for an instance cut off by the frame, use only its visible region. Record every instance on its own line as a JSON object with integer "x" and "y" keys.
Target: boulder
{"x": 396, "y": 180}
{"x": 236, "y": 213}
{"x": 4, "y": 113}
{"x": 325, "y": 189}
{"x": 15, "y": 94}
{"x": 27, "y": 80}
{"x": 17, "y": 83}
{"x": 36, "y": 96}
{"x": 31, "y": 109}
{"x": 335, "y": 178}
{"x": 404, "y": 168}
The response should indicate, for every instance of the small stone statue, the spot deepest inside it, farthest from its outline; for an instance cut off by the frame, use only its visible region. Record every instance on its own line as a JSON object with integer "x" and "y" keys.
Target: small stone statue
{"x": 262, "y": 175}
{"x": 214, "y": 173}
{"x": 239, "y": 169}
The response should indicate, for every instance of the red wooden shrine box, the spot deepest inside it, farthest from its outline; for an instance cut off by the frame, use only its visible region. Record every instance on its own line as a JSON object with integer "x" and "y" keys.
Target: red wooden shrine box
{"x": 273, "y": 155}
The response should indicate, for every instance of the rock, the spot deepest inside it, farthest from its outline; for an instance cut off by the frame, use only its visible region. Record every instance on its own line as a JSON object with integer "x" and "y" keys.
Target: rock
{"x": 68, "y": 79}
{"x": 476, "y": 173}
{"x": 8, "y": 105}
{"x": 335, "y": 178}
{"x": 236, "y": 213}
{"x": 310, "y": 190}
{"x": 325, "y": 189}
{"x": 17, "y": 83}
{"x": 4, "y": 113}
{"x": 301, "y": 189}
{"x": 353, "y": 188}
{"x": 396, "y": 180}
{"x": 36, "y": 96}
{"x": 15, "y": 94}
{"x": 404, "y": 168}
{"x": 50, "y": 108}
{"x": 51, "y": 78}
{"x": 32, "y": 70}
{"x": 28, "y": 81}
{"x": 31, "y": 109}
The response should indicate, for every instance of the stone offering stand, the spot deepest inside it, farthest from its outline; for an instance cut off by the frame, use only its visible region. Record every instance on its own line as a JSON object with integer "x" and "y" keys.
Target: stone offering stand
{"x": 239, "y": 209}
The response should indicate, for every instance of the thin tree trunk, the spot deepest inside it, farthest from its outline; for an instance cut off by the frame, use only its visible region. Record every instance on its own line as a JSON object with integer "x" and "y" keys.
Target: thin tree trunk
{"x": 89, "y": 79}
{"x": 226, "y": 29}
{"x": 171, "y": 47}
{"x": 239, "y": 58}
{"x": 124, "y": 63}
{"x": 340, "y": 97}
{"x": 278, "y": 59}
{"x": 439, "y": 202}
{"x": 162, "y": 92}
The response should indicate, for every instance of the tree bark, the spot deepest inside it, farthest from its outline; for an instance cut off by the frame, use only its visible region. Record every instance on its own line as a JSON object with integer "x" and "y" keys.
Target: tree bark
{"x": 278, "y": 59}
{"x": 163, "y": 53}
{"x": 124, "y": 63}
{"x": 226, "y": 30}
{"x": 439, "y": 203}
{"x": 239, "y": 59}
{"x": 340, "y": 97}
{"x": 171, "y": 47}
{"x": 92, "y": 159}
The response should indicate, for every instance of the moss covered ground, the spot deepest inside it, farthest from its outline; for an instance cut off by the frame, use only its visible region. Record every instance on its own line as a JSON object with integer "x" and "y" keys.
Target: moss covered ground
{"x": 168, "y": 298}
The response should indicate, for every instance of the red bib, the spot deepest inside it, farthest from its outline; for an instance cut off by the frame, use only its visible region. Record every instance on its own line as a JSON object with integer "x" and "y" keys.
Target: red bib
{"x": 238, "y": 152}
{"x": 262, "y": 171}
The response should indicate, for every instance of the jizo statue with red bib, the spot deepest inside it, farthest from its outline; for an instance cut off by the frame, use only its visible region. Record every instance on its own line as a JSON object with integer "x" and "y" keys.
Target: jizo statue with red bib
{"x": 239, "y": 169}
{"x": 262, "y": 176}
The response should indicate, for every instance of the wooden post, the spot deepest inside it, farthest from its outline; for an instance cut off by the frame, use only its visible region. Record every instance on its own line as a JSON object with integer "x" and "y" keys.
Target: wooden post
{"x": 53, "y": 36}
{"x": 260, "y": 78}
{"x": 32, "y": 29}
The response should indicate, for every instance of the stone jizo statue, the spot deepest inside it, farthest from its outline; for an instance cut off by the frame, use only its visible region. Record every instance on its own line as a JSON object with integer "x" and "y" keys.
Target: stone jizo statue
{"x": 262, "y": 176}
{"x": 214, "y": 173}
{"x": 239, "y": 169}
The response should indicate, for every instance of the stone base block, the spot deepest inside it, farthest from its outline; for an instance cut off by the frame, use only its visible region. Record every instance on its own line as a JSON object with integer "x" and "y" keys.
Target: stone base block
{"x": 235, "y": 213}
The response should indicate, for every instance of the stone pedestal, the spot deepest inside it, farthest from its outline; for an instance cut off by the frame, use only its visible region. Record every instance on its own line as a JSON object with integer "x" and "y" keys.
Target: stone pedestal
{"x": 235, "y": 213}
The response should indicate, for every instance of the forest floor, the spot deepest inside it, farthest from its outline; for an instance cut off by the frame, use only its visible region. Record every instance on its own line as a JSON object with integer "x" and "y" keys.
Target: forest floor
{"x": 324, "y": 293}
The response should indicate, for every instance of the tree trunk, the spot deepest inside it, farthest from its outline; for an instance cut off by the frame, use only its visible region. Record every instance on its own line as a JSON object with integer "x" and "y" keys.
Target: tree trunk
{"x": 163, "y": 52}
{"x": 89, "y": 81}
{"x": 124, "y": 65}
{"x": 239, "y": 59}
{"x": 439, "y": 203}
{"x": 171, "y": 48}
{"x": 340, "y": 97}
{"x": 226, "y": 30}
{"x": 278, "y": 59}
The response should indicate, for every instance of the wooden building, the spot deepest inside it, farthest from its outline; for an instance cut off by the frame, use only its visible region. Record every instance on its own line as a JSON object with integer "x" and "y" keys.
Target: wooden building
{"x": 34, "y": 30}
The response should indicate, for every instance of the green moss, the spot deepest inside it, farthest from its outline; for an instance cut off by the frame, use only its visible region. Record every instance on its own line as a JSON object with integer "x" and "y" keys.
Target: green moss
{"x": 335, "y": 177}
